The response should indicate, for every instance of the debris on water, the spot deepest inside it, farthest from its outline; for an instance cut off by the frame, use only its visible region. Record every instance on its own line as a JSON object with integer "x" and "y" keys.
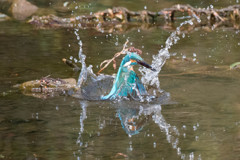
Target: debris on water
{"x": 120, "y": 154}
{"x": 65, "y": 4}
{"x": 235, "y": 65}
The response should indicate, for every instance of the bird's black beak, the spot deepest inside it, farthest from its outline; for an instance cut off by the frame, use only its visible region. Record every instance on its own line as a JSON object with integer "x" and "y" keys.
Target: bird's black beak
{"x": 146, "y": 65}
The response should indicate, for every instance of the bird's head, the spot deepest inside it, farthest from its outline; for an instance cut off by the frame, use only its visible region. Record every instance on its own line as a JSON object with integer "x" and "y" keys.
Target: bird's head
{"x": 132, "y": 58}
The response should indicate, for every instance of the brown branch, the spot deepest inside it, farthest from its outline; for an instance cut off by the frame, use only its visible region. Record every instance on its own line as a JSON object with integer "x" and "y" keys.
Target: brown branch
{"x": 108, "y": 61}
{"x": 123, "y": 15}
{"x": 124, "y": 51}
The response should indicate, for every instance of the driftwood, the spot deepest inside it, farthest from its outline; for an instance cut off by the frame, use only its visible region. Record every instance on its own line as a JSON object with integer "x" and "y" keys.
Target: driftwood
{"x": 119, "y": 17}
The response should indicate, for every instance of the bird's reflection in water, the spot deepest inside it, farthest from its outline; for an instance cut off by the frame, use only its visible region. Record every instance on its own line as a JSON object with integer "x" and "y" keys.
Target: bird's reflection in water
{"x": 134, "y": 116}
{"x": 132, "y": 120}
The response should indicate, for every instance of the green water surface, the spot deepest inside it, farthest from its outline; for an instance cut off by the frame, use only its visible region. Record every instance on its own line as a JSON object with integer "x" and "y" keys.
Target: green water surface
{"x": 206, "y": 113}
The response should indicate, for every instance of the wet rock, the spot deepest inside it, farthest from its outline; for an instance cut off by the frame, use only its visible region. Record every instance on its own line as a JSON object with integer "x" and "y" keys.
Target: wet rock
{"x": 21, "y": 9}
{"x": 48, "y": 87}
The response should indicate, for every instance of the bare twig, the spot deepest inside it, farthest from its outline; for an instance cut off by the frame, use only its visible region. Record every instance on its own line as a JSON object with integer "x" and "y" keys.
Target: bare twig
{"x": 108, "y": 61}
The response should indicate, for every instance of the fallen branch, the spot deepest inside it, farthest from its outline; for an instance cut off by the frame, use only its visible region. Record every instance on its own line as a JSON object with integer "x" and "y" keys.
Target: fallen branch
{"x": 121, "y": 15}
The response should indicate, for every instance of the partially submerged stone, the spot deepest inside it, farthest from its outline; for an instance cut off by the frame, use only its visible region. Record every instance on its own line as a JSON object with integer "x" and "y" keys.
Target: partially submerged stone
{"x": 48, "y": 87}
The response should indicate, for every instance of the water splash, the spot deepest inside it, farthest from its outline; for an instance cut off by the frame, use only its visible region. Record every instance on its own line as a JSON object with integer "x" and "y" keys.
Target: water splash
{"x": 150, "y": 78}
{"x": 133, "y": 120}
{"x": 171, "y": 131}
{"x": 83, "y": 116}
{"x": 83, "y": 74}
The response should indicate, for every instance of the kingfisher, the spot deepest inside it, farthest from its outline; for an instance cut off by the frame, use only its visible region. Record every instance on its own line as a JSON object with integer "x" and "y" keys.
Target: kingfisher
{"x": 127, "y": 83}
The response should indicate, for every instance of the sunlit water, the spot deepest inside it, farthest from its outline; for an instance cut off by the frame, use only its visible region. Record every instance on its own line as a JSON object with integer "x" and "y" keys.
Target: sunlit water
{"x": 196, "y": 116}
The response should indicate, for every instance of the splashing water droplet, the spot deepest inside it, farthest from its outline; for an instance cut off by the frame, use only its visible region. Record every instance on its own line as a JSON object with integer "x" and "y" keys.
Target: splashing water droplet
{"x": 154, "y": 144}
{"x": 75, "y": 60}
{"x": 194, "y": 128}
{"x": 196, "y": 138}
{"x": 183, "y": 35}
{"x": 179, "y": 151}
{"x": 191, "y": 156}
{"x": 150, "y": 77}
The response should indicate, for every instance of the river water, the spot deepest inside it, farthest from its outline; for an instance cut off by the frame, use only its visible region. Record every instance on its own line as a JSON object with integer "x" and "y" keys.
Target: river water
{"x": 197, "y": 116}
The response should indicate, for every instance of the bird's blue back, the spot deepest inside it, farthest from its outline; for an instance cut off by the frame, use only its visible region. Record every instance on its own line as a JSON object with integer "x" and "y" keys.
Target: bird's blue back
{"x": 127, "y": 81}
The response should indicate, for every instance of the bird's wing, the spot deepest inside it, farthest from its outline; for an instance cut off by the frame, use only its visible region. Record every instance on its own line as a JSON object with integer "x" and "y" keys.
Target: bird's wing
{"x": 140, "y": 86}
